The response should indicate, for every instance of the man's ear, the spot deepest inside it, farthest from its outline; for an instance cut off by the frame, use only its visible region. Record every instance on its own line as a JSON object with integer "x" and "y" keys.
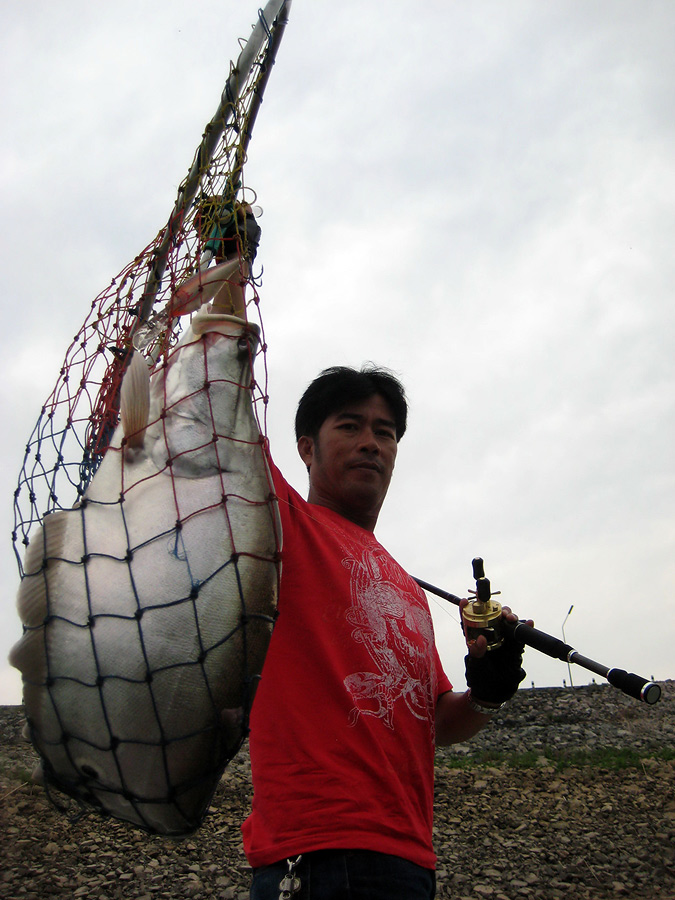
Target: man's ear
{"x": 306, "y": 449}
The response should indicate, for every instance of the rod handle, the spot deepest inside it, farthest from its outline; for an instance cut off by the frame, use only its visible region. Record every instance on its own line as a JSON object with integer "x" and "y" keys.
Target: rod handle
{"x": 540, "y": 640}
{"x": 634, "y": 685}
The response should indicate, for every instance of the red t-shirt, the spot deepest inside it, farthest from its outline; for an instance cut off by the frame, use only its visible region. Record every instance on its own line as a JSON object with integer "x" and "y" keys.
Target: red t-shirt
{"x": 342, "y": 727}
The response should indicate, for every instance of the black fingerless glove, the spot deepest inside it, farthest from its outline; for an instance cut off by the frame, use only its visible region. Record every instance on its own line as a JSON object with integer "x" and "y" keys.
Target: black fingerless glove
{"x": 494, "y": 678}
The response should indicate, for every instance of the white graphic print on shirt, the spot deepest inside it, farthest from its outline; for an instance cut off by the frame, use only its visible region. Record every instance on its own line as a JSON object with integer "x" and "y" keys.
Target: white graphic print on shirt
{"x": 395, "y": 626}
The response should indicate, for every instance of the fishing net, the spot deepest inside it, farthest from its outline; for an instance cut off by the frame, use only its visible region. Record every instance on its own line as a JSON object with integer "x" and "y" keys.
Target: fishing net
{"x": 149, "y": 578}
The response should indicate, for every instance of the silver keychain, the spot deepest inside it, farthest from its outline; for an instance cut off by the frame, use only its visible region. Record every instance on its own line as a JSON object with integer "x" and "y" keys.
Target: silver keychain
{"x": 290, "y": 884}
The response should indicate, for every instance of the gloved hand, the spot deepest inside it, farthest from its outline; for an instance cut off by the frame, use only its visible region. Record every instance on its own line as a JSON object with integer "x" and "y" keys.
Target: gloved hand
{"x": 495, "y": 676}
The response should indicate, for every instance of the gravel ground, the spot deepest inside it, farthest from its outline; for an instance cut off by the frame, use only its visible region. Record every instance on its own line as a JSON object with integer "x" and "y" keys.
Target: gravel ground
{"x": 586, "y": 831}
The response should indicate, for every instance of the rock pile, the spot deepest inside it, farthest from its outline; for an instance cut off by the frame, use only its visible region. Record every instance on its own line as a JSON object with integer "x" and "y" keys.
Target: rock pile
{"x": 560, "y": 720}
{"x": 504, "y": 830}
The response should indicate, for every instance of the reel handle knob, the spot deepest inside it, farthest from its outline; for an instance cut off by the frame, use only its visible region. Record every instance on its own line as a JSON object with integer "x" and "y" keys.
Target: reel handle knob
{"x": 478, "y": 568}
{"x": 483, "y": 615}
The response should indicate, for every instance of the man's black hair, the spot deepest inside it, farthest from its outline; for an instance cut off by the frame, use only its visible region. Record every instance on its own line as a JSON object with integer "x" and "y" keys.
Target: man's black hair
{"x": 339, "y": 386}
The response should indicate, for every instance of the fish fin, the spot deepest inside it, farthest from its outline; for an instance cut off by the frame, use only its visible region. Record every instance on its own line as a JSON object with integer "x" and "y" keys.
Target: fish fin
{"x": 45, "y": 547}
{"x": 29, "y": 656}
{"x": 203, "y": 286}
{"x": 44, "y": 551}
{"x": 135, "y": 400}
{"x": 230, "y": 297}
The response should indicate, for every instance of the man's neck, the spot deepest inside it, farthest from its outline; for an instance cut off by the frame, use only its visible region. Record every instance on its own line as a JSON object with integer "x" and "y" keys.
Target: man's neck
{"x": 365, "y": 520}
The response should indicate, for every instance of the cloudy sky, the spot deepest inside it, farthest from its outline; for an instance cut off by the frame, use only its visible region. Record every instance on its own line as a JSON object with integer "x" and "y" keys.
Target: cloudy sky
{"x": 476, "y": 195}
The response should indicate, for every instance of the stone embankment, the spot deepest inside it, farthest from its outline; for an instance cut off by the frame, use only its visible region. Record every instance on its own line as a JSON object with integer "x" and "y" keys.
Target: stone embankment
{"x": 569, "y": 793}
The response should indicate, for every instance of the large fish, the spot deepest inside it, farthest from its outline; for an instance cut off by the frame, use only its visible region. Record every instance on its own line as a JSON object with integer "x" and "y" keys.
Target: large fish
{"x": 148, "y": 607}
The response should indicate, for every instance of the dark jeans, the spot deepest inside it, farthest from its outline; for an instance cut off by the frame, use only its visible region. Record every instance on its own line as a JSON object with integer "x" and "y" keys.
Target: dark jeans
{"x": 348, "y": 875}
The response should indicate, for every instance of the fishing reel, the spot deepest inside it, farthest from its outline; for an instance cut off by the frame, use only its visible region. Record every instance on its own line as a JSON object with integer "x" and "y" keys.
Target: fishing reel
{"x": 483, "y": 615}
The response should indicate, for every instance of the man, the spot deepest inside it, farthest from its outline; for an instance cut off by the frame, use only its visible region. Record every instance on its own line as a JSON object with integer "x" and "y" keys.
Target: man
{"x": 353, "y": 697}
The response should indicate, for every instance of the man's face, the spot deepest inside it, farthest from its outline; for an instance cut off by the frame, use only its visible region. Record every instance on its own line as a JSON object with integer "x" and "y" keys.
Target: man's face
{"x": 352, "y": 460}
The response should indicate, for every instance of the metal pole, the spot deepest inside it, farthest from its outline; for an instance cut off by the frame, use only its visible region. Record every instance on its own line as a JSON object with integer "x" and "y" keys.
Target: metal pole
{"x": 569, "y": 668}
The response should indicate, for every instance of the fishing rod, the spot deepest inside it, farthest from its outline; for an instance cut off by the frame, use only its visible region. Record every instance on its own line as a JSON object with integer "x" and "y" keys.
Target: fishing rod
{"x": 483, "y": 615}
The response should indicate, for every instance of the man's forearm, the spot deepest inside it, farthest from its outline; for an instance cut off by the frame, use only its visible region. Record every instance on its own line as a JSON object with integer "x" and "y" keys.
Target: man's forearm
{"x": 456, "y": 720}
